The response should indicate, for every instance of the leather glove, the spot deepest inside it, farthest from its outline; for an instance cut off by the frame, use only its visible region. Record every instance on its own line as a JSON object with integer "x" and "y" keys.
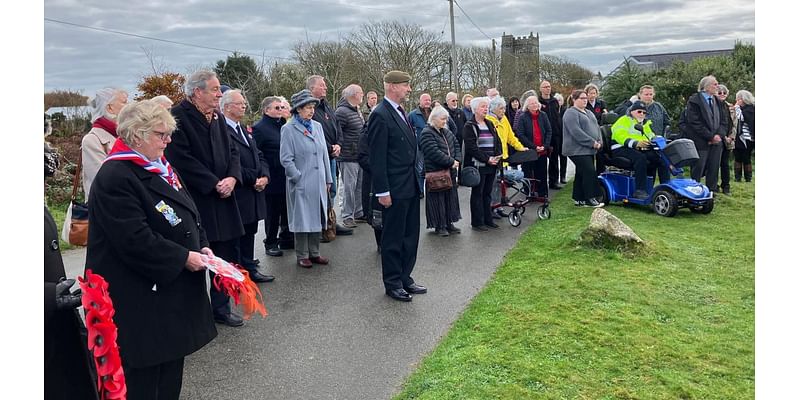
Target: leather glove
{"x": 64, "y": 299}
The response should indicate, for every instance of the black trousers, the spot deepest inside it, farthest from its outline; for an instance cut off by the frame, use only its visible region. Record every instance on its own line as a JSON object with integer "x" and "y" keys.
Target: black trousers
{"x": 585, "y": 185}
{"x": 245, "y": 246}
{"x": 725, "y": 168}
{"x": 276, "y": 224}
{"x": 708, "y": 165}
{"x": 557, "y": 163}
{"x": 645, "y": 163}
{"x": 227, "y": 250}
{"x": 537, "y": 170}
{"x": 480, "y": 198}
{"x": 367, "y": 197}
{"x": 159, "y": 382}
{"x": 399, "y": 242}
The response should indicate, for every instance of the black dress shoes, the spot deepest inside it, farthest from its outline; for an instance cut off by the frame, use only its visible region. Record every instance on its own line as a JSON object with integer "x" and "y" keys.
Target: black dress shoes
{"x": 343, "y": 231}
{"x": 398, "y": 294}
{"x": 274, "y": 252}
{"x": 258, "y": 277}
{"x": 416, "y": 289}
{"x": 555, "y": 186}
{"x": 232, "y": 320}
{"x": 492, "y": 225}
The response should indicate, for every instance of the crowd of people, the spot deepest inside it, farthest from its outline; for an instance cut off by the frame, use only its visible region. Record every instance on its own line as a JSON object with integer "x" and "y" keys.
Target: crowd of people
{"x": 170, "y": 186}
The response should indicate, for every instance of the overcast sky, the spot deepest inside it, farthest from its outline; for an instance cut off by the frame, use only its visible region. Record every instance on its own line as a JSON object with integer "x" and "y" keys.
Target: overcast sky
{"x": 596, "y": 36}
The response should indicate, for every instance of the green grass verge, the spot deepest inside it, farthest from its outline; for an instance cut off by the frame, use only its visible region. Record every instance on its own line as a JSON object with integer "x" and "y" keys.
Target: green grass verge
{"x": 560, "y": 320}
{"x": 59, "y": 211}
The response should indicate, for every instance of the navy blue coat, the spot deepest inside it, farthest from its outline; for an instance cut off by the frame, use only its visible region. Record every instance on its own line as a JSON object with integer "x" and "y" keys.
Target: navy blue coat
{"x": 392, "y": 153}
{"x": 252, "y": 206}
{"x": 267, "y": 134}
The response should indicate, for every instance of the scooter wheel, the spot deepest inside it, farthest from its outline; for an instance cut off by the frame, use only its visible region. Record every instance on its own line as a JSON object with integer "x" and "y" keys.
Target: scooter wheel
{"x": 514, "y": 218}
{"x": 543, "y": 212}
{"x": 665, "y": 204}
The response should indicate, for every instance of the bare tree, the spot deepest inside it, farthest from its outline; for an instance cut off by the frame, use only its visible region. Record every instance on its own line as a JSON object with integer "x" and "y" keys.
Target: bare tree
{"x": 333, "y": 60}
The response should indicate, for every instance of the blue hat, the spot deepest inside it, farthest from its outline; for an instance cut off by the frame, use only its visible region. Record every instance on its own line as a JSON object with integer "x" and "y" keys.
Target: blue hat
{"x": 302, "y": 98}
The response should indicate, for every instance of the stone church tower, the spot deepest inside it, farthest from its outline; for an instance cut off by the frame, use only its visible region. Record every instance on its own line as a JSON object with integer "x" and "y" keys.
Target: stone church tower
{"x": 519, "y": 65}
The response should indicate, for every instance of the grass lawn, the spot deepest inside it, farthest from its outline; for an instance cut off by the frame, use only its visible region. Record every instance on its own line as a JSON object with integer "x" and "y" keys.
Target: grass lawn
{"x": 564, "y": 321}
{"x": 59, "y": 211}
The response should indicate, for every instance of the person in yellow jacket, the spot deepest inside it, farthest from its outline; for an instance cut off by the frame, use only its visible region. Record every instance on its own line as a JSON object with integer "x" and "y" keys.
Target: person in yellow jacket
{"x": 631, "y": 136}
{"x": 497, "y": 115}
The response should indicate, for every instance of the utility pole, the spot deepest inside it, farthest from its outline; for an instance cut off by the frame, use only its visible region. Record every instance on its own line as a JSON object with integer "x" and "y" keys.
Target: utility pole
{"x": 453, "y": 55}
{"x": 493, "y": 77}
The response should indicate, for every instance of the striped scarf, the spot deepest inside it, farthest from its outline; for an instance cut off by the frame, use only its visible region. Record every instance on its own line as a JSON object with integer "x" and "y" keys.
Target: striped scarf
{"x": 160, "y": 167}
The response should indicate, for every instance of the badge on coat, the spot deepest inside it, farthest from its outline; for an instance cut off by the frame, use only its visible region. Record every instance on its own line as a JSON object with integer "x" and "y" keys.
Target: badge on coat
{"x": 168, "y": 213}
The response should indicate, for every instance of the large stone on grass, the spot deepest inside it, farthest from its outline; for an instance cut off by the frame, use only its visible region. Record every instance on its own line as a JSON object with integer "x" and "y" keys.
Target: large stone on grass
{"x": 606, "y": 230}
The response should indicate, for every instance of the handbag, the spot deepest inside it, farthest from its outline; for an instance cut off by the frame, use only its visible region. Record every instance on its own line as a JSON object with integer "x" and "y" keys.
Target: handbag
{"x": 439, "y": 181}
{"x": 329, "y": 233}
{"x": 76, "y": 223}
{"x": 470, "y": 176}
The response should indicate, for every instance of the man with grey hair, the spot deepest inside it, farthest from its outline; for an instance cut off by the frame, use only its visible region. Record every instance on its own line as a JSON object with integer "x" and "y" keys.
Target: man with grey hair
{"x": 557, "y": 163}
{"x": 491, "y": 93}
{"x": 457, "y": 115}
{"x": 706, "y": 126}
{"x": 255, "y": 177}
{"x": 208, "y": 163}
{"x": 351, "y": 123}
{"x": 326, "y": 116}
{"x": 418, "y": 119}
{"x": 267, "y": 134}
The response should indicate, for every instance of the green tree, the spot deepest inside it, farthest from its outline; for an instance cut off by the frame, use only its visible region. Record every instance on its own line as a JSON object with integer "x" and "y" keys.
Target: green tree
{"x": 241, "y": 72}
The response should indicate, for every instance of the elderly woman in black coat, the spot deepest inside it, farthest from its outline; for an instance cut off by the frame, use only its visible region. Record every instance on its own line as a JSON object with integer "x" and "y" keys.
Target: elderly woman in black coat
{"x": 483, "y": 150}
{"x": 441, "y": 152}
{"x": 147, "y": 242}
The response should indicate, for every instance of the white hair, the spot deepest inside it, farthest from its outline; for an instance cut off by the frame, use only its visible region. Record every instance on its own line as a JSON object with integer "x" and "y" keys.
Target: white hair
{"x": 163, "y": 100}
{"x": 102, "y": 98}
{"x": 350, "y": 90}
{"x": 701, "y": 87}
{"x": 496, "y": 103}
{"x": 476, "y": 102}
{"x": 746, "y": 97}
{"x": 437, "y": 112}
{"x": 227, "y": 97}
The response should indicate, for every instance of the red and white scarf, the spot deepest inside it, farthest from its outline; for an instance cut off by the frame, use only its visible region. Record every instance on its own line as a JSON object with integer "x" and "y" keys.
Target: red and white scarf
{"x": 121, "y": 151}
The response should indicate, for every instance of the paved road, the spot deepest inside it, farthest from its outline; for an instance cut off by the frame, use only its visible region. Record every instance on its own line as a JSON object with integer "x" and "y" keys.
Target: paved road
{"x": 332, "y": 333}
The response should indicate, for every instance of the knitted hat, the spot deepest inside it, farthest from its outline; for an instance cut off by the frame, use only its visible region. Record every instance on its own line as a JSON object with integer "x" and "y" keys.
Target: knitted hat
{"x": 302, "y": 98}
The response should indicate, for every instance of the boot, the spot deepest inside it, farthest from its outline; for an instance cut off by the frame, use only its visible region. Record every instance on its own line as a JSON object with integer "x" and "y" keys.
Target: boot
{"x": 748, "y": 172}
{"x": 737, "y": 171}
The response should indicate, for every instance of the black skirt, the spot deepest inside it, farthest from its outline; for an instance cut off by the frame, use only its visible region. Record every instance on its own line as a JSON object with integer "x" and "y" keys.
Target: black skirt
{"x": 441, "y": 208}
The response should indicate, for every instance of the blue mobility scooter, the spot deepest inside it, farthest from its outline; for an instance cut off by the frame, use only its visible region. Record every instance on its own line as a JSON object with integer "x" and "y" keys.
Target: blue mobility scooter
{"x": 617, "y": 183}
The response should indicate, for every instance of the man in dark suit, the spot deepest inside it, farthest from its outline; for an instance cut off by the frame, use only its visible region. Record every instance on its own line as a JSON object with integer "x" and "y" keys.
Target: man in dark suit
{"x": 267, "y": 133}
{"x": 392, "y": 157}
{"x": 255, "y": 177}
{"x": 706, "y": 126}
{"x": 204, "y": 157}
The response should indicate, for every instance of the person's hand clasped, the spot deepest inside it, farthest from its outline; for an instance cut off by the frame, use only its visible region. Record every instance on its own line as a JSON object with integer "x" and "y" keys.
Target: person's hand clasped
{"x": 225, "y": 187}
{"x": 386, "y": 201}
{"x": 196, "y": 261}
{"x": 597, "y": 145}
{"x": 455, "y": 164}
{"x": 643, "y": 144}
{"x": 336, "y": 150}
{"x": 261, "y": 183}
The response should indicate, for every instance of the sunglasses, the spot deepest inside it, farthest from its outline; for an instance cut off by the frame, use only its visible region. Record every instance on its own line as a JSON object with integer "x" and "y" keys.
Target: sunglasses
{"x": 722, "y": 93}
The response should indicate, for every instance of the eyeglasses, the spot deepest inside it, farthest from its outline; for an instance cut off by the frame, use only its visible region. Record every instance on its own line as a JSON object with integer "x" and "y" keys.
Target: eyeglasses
{"x": 641, "y": 111}
{"x": 162, "y": 135}
{"x": 722, "y": 93}
{"x": 279, "y": 107}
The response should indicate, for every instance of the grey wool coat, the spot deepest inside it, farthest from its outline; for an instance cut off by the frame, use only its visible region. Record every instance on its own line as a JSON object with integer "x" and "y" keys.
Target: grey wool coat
{"x": 308, "y": 171}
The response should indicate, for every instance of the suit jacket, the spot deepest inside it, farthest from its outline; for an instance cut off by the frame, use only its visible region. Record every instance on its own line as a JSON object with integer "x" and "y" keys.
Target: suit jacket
{"x": 701, "y": 124}
{"x": 392, "y": 153}
{"x": 267, "y": 134}
{"x": 162, "y": 309}
{"x": 202, "y": 154}
{"x": 66, "y": 360}
{"x": 252, "y": 206}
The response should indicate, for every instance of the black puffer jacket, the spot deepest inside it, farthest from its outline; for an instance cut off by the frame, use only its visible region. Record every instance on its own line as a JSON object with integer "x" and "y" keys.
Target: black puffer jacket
{"x": 326, "y": 117}
{"x": 439, "y": 148}
{"x": 351, "y": 124}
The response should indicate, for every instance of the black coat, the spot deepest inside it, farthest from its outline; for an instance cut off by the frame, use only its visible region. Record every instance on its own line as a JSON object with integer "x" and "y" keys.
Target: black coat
{"x": 457, "y": 115}
{"x": 351, "y": 125}
{"x": 267, "y": 134}
{"x": 700, "y": 126}
{"x": 471, "y": 150}
{"x": 252, "y": 206}
{"x": 524, "y": 129}
{"x": 597, "y": 110}
{"x": 439, "y": 149}
{"x": 66, "y": 360}
{"x": 203, "y": 154}
{"x": 392, "y": 153}
{"x": 551, "y": 107}
{"x": 326, "y": 116}
{"x": 749, "y": 114}
{"x": 162, "y": 309}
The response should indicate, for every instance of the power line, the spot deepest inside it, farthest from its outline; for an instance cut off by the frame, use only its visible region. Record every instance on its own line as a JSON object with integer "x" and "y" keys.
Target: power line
{"x": 161, "y": 40}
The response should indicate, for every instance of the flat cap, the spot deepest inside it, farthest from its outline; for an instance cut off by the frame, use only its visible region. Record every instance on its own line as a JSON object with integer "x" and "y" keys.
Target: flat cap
{"x": 396, "y": 77}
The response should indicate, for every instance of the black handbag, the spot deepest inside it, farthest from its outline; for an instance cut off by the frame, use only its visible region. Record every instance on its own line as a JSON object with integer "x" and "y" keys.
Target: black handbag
{"x": 470, "y": 176}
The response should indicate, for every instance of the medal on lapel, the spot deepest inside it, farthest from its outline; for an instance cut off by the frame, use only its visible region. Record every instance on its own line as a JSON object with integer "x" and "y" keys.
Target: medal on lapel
{"x": 168, "y": 213}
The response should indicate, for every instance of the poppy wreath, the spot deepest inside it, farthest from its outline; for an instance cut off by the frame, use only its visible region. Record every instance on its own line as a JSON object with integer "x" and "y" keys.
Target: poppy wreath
{"x": 245, "y": 292}
{"x": 102, "y": 335}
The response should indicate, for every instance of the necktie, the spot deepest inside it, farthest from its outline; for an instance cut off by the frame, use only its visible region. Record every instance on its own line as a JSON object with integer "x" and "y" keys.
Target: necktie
{"x": 710, "y": 104}
{"x": 405, "y": 117}
{"x": 239, "y": 129}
